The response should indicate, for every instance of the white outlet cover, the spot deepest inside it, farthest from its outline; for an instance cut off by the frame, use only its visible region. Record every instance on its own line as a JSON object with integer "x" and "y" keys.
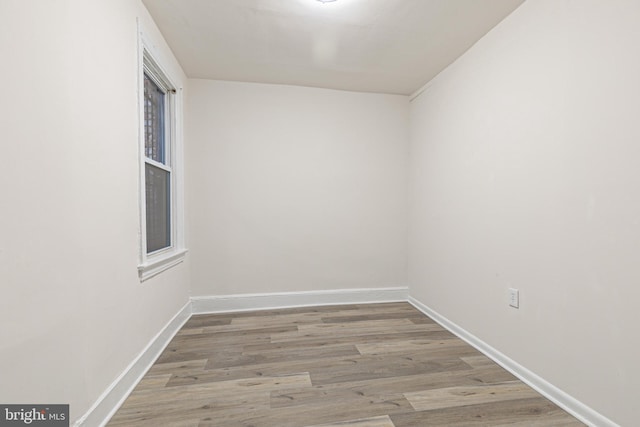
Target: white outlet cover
{"x": 514, "y": 298}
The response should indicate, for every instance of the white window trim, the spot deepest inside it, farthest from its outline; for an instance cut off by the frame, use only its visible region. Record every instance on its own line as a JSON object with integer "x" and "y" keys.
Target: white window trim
{"x": 156, "y": 262}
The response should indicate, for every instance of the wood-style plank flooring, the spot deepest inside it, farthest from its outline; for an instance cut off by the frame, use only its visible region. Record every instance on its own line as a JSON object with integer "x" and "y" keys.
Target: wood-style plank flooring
{"x": 374, "y": 365}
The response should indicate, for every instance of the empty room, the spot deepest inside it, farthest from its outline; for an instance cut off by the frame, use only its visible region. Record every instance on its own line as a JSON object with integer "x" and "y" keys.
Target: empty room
{"x": 320, "y": 213}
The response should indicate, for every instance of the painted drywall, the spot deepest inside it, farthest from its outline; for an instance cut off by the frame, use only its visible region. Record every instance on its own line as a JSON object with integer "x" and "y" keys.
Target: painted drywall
{"x": 295, "y": 189}
{"x": 524, "y": 173}
{"x": 73, "y": 313}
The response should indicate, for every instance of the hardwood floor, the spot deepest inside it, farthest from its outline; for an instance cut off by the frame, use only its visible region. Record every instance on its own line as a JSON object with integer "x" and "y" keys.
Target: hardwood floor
{"x": 376, "y": 365}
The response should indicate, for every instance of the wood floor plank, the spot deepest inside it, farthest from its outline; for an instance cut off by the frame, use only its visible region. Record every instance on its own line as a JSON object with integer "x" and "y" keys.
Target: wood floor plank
{"x": 381, "y": 336}
{"x": 363, "y": 315}
{"x": 390, "y": 387}
{"x": 369, "y": 367}
{"x": 220, "y": 395}
{"x": 469, "y": 395}
{"x": 411, "y": 346}
{"x": 190, "y": 331}
{"x": 206, "y": 320}
{"x": 282, "y": 356}
{"x": 383, "y": 421}
{"x": 177, "y": 367}
{"x": 374, "y": 365}
{"x": 152, "y": 382}
{"x": 246, "y": 371}
{"x": 231, "y": 397}
{"x": 232, "y": 333}
{"x": 359, "y": 329}
{"x": 297, "y": 416}
{"x": 532, "y": 410}
{"x": 478, "y": 360}
{"x": 276, "y": 312}
{"x": 177, "y": 403}
{"x": 556, "y": 419}
{"x": 153, "y": 422}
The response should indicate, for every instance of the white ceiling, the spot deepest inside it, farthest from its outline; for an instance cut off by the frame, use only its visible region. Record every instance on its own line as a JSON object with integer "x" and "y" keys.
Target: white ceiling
{"x": 385, "y": 46}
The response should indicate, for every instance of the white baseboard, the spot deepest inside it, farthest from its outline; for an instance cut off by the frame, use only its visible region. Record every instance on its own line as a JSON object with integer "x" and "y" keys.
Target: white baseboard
{"x": 245, "y": 302}
{"x": 573, "y": 406}
{"x": 111, "y": 400}
{"x": 114, "y": 396}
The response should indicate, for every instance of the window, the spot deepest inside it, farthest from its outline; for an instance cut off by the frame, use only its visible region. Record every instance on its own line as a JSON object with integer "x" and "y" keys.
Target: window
{"x": 157, "y": 164}
{"x": 160, "y": 199}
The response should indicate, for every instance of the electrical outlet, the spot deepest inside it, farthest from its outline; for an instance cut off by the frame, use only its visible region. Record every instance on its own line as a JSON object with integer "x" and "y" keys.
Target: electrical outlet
{"x": 514, "y": 298}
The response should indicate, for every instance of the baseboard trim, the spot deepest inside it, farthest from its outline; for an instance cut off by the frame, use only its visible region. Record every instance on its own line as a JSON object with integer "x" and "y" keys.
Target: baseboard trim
{"x": 573, "y": 406}
{"x": 114, "y": 396}
{"x": 247, "y": 302}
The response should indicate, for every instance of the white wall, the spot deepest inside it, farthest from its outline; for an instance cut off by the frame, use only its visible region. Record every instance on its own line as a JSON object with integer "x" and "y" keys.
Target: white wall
{"x": 295, "y": 189}
{"x": 525, "y": 172}
{"x": 73, "y": 313}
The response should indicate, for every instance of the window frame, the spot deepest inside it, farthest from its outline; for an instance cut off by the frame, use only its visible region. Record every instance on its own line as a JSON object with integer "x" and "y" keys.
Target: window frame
{"x": 154, "y": 263}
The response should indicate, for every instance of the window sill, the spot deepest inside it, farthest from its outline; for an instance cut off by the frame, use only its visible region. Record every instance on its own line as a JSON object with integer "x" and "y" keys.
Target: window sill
{"x": 160, "y": 263}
